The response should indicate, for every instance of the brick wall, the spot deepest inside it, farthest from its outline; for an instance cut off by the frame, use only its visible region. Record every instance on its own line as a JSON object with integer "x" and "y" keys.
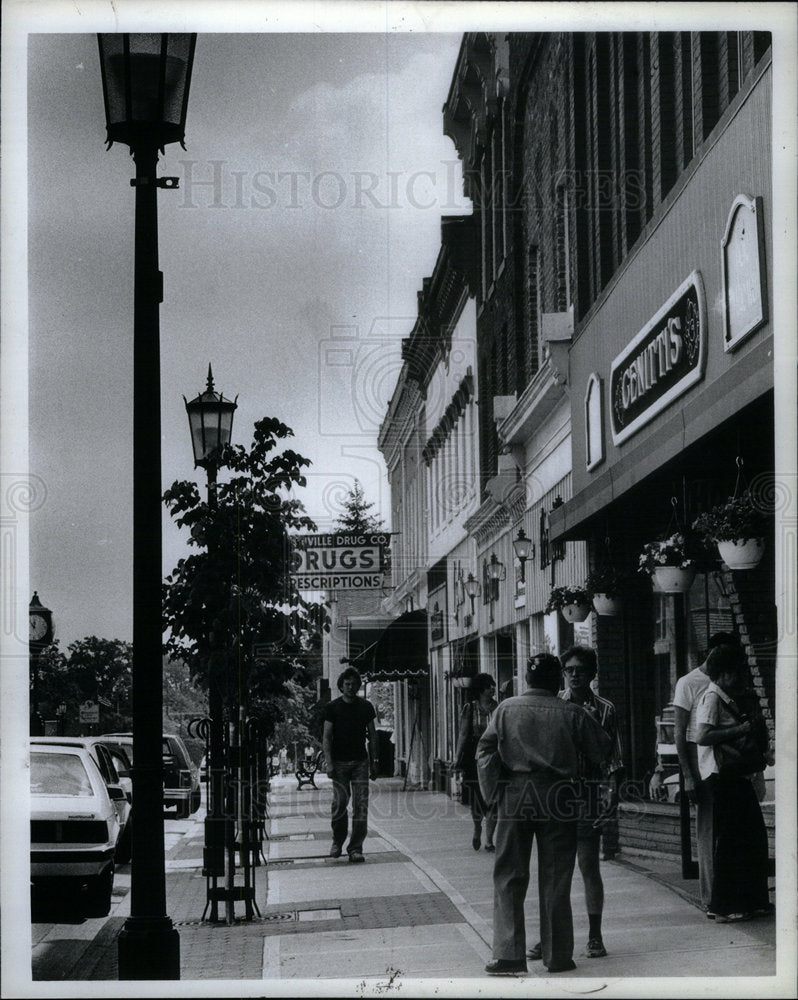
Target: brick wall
{"x": 654, "y": 829}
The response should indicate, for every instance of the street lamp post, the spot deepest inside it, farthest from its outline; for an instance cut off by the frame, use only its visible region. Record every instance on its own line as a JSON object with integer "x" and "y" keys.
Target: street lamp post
{"x": 210, "y": 418}
{"x": 146, "y": 81}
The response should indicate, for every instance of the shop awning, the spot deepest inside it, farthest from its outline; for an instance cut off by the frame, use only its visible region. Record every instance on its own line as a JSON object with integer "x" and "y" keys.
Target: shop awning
{"x": 401, "y": 652}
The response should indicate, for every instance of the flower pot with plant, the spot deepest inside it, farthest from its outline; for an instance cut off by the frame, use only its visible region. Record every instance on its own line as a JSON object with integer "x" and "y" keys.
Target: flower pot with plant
{"x": 573, "y": 603}
{"x": 668, "y": 562}
{"x": 737, "y": 527}
{"x": 604, "y": 586}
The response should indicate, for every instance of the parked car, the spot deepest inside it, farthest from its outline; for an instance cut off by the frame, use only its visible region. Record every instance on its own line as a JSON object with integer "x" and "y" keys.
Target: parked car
{"x": 74, "y": 827}
{"x": 181, "y": 778}
{"x": 104, "y": 759}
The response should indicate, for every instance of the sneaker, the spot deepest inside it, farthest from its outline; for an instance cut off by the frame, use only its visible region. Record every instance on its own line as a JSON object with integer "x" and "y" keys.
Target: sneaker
{"x": 505, "y": 967}
{"x": 595, "y": 948}
{"x": 476, "y": 843}
{"x": 490, "y": 847}
{"x": 535, "y": 954}
{"x": 356, "y": 857}
{"x": 731, "y": 918}
{"x": 335, "y": 850}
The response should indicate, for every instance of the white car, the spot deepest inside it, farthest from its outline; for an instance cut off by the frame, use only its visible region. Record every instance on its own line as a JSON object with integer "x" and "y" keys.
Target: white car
{"x": 74, "y": 827}
{"x": 103, "y": 757}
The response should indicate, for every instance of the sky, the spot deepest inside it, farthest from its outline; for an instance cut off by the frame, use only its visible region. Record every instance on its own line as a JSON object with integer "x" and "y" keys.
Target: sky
{"x": 308, "y": 213}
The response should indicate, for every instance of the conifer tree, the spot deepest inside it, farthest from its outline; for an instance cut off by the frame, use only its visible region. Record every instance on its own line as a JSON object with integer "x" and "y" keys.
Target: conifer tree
{"x": 355, "y": 515}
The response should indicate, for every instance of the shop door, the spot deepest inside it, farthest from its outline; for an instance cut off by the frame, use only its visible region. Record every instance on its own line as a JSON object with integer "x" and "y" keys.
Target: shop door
{"x": 505, "y": 658}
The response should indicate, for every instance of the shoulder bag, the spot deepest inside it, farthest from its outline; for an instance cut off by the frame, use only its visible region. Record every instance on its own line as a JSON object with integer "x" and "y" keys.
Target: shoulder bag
{"x": 745, "y": 754}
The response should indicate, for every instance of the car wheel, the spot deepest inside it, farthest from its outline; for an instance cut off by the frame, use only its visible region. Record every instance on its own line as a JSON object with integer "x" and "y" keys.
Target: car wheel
{"x": 97, "y": 902}
{"x": 124, "y": 848}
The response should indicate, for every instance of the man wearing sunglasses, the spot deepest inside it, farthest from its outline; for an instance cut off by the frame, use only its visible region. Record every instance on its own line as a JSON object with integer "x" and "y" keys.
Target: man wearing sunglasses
{"x": 579, "y": 667}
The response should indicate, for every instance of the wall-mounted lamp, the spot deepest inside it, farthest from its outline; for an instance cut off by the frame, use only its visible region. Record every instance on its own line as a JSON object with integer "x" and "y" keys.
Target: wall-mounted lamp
{"x": 524, "y": 549}
{"x": 496, "y": 572}
{"x": 472, "y": 589}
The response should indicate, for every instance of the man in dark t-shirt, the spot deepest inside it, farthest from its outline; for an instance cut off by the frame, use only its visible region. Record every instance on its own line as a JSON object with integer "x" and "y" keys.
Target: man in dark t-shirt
{"x": 348, "y": 728}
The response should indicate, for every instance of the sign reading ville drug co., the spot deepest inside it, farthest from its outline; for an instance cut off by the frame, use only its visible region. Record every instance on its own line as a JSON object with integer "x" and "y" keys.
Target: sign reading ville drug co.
{"x": 663, "y": 361}
{"x": 339, "y": 561}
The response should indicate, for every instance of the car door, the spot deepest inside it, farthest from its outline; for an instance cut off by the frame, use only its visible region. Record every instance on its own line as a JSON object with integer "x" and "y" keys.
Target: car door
{"x": 105, "y": 762}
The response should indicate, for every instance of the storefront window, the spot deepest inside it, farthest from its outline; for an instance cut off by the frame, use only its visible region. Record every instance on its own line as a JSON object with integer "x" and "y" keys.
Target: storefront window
{"x": 682, "y": 626}
{"x": 708, "y": 611}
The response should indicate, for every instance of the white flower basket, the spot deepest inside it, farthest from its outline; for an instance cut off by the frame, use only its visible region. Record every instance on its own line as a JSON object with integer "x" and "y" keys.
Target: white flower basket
{"x": 674, "y": 579}
{"x": 744, "y": 553}
{"x": 606, "y": 605}
{"x": 575, "y": 612}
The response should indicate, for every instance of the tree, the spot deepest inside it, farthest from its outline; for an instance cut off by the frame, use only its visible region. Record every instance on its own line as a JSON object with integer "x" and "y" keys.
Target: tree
{"x": 355, "y": 516}
{"x": 233, "y": 599}
{"x": 95, "y": 670}
{"x": 182, "y": 699}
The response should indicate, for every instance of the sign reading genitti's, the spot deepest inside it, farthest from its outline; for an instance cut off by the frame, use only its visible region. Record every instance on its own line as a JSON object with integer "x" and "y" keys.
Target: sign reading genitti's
{"x": 663, "y": 361}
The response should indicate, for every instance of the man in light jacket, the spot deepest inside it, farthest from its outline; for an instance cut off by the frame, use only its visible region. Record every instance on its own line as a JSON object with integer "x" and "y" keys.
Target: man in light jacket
{"x": 528, "y": 759}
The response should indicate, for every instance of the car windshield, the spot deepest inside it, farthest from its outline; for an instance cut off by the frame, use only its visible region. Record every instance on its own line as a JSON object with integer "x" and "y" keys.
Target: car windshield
{"x": 59, "y": 774}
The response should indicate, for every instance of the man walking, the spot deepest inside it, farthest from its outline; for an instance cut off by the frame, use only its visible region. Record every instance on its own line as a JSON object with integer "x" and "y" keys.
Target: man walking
{"x": 686, "y": 697}
{"x": 579, "y": 667}
{"x": 348, "y": 727}
{"x": 529, "y": 756}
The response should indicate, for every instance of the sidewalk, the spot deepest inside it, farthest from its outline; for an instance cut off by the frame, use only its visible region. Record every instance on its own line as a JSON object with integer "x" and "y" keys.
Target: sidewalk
{"x": 419, "y": 908}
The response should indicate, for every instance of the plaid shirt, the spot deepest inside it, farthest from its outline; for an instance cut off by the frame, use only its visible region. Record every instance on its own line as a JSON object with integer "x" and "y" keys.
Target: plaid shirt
{"x": 603, "y": 711}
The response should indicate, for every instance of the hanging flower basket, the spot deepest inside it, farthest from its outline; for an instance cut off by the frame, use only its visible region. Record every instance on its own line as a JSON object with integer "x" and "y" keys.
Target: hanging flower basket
{"x": 674, "y": 579}
{"x": 575, "y": 612}
{"x": 742, "y": 553}
{"x": 604, "y": 604}
{"x": 737, "y": 527}
{"x": 669, "y": 565}
{"x": 604, "y": 585}
{"x": 572, "y": 602}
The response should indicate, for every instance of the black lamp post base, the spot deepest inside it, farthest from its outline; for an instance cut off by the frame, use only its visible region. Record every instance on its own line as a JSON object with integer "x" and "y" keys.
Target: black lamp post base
{"x": 149, "y": 948}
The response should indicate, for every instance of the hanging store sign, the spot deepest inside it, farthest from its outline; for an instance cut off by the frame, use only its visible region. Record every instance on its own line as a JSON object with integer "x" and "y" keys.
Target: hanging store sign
{"x": 339, "y": 561}
{"x": 663, "y": 361}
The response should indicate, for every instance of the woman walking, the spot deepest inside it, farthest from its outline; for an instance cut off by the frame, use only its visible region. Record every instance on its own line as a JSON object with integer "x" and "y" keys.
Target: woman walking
{"x": 732, "y": 749}
{"x": 473, "y": 721}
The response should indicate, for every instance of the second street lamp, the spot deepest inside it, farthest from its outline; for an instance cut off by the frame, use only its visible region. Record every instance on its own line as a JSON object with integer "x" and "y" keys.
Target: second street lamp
{"x": 145, "y": 81}
{"x": 210, "y": 418}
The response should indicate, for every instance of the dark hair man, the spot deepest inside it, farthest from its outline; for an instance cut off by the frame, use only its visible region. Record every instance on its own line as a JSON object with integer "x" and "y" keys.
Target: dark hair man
{"x": 579, "y": 667}
{"x": 348, "y": 727}
{"x": 530, "y": 756}
{"x": 686, "y": 697}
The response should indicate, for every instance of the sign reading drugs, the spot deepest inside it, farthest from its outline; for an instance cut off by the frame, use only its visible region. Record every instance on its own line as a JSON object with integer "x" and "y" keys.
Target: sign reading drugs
{"x": 342, "y": 560}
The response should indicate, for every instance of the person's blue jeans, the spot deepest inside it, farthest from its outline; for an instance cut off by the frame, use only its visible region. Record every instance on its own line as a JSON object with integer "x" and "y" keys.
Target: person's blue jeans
{"x": 350, "y": 780}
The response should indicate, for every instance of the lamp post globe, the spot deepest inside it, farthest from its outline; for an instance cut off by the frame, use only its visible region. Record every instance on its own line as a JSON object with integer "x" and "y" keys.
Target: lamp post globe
{"x": 145, "y": 80}
{"x": 210, "y": 419}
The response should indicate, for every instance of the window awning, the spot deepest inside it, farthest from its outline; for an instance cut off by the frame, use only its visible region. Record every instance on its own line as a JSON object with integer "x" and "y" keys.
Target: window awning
{"x": 401, "y": 652}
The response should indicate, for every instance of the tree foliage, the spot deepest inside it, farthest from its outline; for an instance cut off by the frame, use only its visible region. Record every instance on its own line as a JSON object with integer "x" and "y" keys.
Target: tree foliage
{"x": 355, "y": 514}
{"x": 232, "y": 599}
{"x": 93, "y": 669}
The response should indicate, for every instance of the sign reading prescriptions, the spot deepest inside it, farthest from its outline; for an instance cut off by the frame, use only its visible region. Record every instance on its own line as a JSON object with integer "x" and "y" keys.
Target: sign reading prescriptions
{"x": 339, "y": 561}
